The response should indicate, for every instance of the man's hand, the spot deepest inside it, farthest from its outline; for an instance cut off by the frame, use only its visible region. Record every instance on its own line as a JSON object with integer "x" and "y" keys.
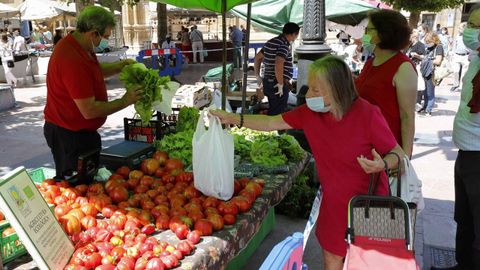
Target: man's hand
{"x": 259, "y": 81}
{"x": 132, "y": 96}
{"x": 280, "y": 89}
{"x": 127, "y": 62}
{"x": 260, "y": 95}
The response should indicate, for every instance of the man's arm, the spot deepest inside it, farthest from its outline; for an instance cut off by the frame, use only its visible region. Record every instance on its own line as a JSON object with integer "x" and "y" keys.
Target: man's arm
{"x": 91, "y": 108}
{"x": 279, "y": 64}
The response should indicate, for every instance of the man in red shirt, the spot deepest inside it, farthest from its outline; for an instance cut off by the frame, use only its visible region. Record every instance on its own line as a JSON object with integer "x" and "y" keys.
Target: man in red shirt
{"x": 77, "y": 101}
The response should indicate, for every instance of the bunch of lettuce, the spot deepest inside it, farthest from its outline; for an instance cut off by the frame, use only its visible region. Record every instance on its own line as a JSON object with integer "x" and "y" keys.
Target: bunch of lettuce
{"x": 187, "y": 119}
{"x": 266, "y": 152}
{"x": 157, "y": 91}
{"x": 290, "y": 147}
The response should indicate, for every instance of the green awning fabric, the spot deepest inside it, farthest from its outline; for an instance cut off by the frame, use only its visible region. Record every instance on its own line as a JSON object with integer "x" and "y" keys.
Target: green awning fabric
{"x": 212, "y": 5}
{"x": 271, "y": 15}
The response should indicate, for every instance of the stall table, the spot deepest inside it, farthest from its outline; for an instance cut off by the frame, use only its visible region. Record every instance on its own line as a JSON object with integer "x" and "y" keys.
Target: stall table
{"x": 231, "y": 247}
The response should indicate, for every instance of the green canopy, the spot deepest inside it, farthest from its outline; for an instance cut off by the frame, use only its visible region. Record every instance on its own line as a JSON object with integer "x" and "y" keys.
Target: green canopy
{"x": 271, "y": 15}
{"x": 212, "y": 5}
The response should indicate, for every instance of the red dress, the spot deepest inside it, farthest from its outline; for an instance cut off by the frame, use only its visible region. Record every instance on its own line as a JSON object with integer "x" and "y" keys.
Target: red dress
{"x": 335, "y": 146}
{"x": 375, "y": 84}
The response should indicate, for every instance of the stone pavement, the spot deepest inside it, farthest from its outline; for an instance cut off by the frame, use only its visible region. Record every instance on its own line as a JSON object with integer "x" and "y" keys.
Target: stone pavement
{"x": 22, "y": 144}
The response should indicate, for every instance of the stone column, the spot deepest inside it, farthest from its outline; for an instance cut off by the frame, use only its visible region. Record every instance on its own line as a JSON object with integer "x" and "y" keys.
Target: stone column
{"x": 136, "y": 25}
{"x": 313, "y": 38}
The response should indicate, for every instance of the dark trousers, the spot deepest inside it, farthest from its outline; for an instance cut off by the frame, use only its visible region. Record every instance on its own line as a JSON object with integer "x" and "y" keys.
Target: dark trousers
{"x": 428, "y": 94}
{"x": 277, "y": 104}
{"x": 67, "y": 146}
{"x": 467, "y": 209}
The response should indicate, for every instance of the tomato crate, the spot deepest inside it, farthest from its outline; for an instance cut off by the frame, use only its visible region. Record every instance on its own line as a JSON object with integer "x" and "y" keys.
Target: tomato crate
{"x": 10, "y": 245}
{"x": 160, "y": 125}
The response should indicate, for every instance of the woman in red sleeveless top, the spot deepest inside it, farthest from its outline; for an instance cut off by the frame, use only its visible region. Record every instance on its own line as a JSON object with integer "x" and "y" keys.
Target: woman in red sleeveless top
{"x": 389, "y": 79}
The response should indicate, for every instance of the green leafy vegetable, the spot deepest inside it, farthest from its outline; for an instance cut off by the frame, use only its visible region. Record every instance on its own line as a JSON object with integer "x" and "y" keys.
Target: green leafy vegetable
{"x": 187, "y": 118}
{"x": 266, "y": 152}
{"x": 157, "y": 90}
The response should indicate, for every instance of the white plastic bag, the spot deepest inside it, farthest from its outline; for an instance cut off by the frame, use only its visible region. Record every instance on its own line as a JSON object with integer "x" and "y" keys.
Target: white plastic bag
{"x": 411, "y": 186}
{"x": 217, "y": 101}
{"x": 213, "y": 158}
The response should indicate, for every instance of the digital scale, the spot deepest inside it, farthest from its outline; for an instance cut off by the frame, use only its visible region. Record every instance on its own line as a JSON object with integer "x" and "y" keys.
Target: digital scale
{"x": 126, "y": 153}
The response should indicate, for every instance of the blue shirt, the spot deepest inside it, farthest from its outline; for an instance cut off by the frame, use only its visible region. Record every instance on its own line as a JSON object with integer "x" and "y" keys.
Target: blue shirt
{"x": 278, "y": 46}
{"x": 236, "y": 36}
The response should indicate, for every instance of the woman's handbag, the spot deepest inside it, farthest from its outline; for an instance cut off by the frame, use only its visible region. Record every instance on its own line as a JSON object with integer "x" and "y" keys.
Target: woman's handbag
{"x": 426, "y": 66}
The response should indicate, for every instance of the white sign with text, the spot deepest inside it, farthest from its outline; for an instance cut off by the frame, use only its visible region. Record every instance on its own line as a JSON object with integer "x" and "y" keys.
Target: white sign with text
{"x": 35, "y": 224}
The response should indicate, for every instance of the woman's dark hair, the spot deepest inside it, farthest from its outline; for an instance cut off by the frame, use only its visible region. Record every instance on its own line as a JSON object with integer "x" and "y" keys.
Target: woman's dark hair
{"x": 392, "y": 29}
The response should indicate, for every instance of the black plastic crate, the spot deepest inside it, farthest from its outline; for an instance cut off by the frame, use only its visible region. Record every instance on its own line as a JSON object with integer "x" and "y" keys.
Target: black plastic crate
{"x": 160, "y": 125}
{"x": 126, "y": 153}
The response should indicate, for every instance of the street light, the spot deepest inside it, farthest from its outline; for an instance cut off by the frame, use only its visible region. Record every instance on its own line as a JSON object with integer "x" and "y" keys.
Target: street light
{"x": 313, "y": 39}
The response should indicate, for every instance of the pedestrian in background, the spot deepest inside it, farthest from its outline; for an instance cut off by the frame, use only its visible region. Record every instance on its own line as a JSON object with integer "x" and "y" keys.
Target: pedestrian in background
{"x": 432, "y": 58}
{"x": 236, "y": 36}
{"x": 414, "y": 52}
{"x": 446, "y": 40}
{"x": 197, "y": 43}
{"x": 389, "y": 80}
{"x": 459, "y": 59}
{"x": 186, "y": 44}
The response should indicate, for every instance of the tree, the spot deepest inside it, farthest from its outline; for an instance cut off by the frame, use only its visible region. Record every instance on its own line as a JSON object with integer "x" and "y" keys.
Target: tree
{"x": 417, "y": 6}
{"x": 161, "y": 22}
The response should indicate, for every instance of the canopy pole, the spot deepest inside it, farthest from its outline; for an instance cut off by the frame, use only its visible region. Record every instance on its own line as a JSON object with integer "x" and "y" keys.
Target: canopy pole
{"x": 245, "y": 58}
{"x": 224, "y": 54}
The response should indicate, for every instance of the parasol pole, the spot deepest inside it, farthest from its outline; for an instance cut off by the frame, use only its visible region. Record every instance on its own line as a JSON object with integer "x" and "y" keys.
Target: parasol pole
{"x": 224, "y": 54}
{"x": 245, "y": 58}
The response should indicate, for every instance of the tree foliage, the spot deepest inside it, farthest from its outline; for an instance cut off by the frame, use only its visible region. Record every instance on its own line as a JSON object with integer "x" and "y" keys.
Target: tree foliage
{"x": 424, "y": 5}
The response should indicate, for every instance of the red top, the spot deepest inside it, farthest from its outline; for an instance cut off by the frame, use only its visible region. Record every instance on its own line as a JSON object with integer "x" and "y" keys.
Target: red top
{"x": 335, "y": 146}
{"x": 73, "y": 74}
{"x": 375, "y": 84}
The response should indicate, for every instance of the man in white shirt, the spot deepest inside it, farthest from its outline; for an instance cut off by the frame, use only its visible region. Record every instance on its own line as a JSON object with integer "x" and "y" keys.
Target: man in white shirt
{"x": 169, "y": 44}
{"x": 459, "y": 59}
{"x": 19, "y": 42}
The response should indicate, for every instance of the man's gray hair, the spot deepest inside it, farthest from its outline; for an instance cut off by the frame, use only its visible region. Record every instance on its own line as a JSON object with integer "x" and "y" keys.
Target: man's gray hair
{"x": 95, "y": 18}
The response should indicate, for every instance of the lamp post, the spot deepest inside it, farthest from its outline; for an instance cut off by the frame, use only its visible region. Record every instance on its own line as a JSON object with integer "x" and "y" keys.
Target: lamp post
{"x": 313, "y": 39}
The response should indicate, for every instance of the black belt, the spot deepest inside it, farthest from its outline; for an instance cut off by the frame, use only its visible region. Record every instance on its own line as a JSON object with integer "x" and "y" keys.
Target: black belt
{"x": 461, "y": 54}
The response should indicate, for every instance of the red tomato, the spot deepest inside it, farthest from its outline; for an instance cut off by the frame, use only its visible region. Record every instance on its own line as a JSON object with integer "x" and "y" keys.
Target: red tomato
{"x": 89, "y": 209}
{"x": 112, "y": 183}
{"x": 147, "y": 180}
{"x": 181, "y": 231}
{"x": 160, "y": 156}
{"x": 88, "y": 222}
{"x": 229, "y": 219}
{"x": 227, "y": 208}
{"x": 155, "y": 264}
{"x": 194, "y": 237}
{"x": 96, "y": 188}
{"x": 141, "y": 189}
{"x": 149, "y": 166}
{"x": 118, "y": 220}
{"x": 162, "y": 222}
{"x": 108, "y": 210}
{"x": 71, "y": 224}
{"x": 174, "y": 165}
{"x": 254, "y": 187}
{"x": 133, "y": 183}
{"x": 118, "y": 194}
{"x": 61, "y": 210}
{"x": 210, "y": 202}
{"x": 135, "y": 174}
{"x": 77, "y": 213}
{"x": 124, "y": 171}
{"x": 204, "y": 226}
{"x": 242, "y": 203}
{"x": 217, "y": 221}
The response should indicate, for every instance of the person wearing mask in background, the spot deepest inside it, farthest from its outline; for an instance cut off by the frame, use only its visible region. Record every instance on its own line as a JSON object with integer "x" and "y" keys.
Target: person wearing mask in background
{"x": 423, "y": 29}
{"x": 333, "y": 113}
{"x": 169, "y": 44}
{"x": 47, "y": 35}
{"x": 57, "y": 37}
{"x": 414, "y": 52}
{"x": 432, "y": 58}
{"x": 186, "y": 44}
{"x": 446, "y": 40}
{"x": 19, "y": 42}
{"x": 276, "y": 56}
{"x": 77, "y": 101}
{"x": 466, "y": 136}
{"x": 197, "y": 43}
{"x": 389, "y": 79}
{"x": 343, "y": 37}
{"x": 459, "y": 59}
{"x": 236, "y": 36}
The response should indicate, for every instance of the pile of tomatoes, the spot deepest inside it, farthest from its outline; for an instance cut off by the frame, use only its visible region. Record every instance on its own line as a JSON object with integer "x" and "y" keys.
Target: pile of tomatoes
{"x": 112, "y": 223}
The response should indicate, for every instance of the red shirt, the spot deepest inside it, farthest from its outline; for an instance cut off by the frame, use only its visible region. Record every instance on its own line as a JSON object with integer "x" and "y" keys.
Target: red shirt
{"x": 73, "y": 74}
{"x": 375, "y": 84}
{"x": 335, "y": 146}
